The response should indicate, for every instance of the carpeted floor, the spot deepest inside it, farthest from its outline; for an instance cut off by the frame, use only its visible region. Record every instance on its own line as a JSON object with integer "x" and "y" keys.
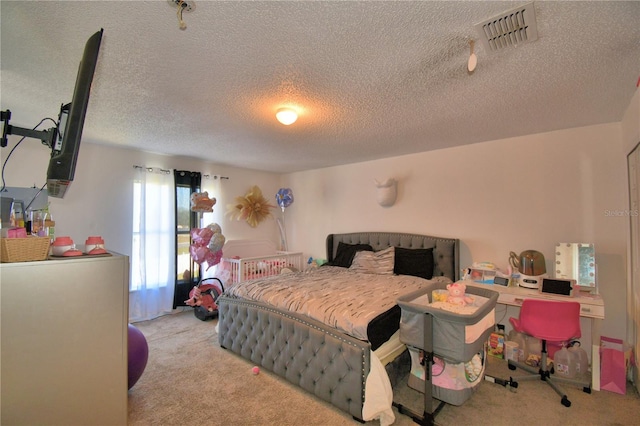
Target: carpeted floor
{"x": 190, "y": 380}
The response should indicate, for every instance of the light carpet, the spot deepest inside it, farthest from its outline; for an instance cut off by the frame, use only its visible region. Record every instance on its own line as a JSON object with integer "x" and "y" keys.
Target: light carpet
{"x": 191, "y": 380}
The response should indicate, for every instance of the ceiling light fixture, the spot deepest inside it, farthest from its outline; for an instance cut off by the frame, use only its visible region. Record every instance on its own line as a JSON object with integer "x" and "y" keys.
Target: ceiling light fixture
{"x": 473, "y": 59}
{"x": 286, "y": 116}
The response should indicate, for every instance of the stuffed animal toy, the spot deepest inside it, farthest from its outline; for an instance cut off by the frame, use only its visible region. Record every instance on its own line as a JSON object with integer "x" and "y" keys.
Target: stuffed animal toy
{"x": 195, "y": 297}
{"x": 456, "y": 294}
{"x": 200, "y": 202}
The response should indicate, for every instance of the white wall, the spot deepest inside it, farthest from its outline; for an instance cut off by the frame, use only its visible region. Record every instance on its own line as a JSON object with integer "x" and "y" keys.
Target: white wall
{"x": 99, "y": 201}
{"x": 507, "y": 195}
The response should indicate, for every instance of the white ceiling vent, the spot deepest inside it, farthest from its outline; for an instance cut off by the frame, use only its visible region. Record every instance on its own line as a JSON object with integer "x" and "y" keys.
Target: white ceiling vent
{"x": 509, "y": 29}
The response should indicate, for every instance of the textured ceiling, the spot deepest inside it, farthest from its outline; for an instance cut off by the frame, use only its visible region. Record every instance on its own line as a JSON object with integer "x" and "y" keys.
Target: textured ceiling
{"x": 370, "y": 79}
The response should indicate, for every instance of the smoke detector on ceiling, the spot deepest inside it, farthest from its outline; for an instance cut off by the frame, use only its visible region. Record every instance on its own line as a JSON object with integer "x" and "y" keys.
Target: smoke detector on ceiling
{"x": 509, "y": 29}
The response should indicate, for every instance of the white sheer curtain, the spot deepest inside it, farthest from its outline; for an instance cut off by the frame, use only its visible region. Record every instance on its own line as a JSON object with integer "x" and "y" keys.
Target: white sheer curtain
{"x": 153, "y": 252}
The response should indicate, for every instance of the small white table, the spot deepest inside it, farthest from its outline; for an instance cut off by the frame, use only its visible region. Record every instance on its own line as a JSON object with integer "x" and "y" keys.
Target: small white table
{"x": 591, "y": 307}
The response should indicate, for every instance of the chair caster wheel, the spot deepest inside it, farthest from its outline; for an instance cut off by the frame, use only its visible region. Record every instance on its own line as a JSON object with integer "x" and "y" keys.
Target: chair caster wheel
{"x": 565, "y": 401}
{"x": 586, "y": 389}
{"x": 512, "y": 367}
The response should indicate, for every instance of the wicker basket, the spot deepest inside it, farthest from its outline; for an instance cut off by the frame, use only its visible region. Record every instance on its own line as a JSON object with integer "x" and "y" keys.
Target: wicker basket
{"x": 24, "y": 249}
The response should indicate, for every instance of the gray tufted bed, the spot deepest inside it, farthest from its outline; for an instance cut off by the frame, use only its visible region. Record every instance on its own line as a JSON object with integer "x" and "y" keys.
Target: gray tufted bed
{"x": 321, "y": 359}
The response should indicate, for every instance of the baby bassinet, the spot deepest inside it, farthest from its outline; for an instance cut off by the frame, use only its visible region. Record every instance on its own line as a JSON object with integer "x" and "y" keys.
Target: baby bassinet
{"x": 453, "y": 335}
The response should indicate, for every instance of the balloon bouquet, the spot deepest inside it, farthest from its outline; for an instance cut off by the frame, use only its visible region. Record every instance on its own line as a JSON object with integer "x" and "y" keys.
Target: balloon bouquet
{"x": 284, "y": 197}
{"x": 207, "y": 245}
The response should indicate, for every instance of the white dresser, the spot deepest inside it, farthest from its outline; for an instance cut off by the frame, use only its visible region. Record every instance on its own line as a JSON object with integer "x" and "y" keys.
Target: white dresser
{"x": 64, "y": 341}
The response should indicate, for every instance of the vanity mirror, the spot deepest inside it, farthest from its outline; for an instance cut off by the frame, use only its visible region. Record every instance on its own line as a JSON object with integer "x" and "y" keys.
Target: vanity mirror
{"x": 577, "y": 261}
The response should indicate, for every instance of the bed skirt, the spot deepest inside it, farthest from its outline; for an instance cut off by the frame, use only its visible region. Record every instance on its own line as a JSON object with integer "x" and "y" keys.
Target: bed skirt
{"x": 305, "y": 352}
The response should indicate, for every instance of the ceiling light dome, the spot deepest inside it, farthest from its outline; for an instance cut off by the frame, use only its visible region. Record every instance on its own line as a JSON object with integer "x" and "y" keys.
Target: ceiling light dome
{"x": 286, "y": 116}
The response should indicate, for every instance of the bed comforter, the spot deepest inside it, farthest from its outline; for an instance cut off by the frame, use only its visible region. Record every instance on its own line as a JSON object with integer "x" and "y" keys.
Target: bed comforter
{"x": 338, "y": 297}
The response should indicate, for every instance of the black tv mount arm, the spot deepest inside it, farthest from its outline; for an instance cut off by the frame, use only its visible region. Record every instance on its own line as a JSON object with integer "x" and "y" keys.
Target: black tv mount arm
{"x": 46, "y": 136}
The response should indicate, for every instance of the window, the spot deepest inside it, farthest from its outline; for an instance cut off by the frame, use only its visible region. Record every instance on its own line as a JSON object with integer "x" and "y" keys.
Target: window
{"x": 185, "y": 267}
{"x": 187, "y": 271}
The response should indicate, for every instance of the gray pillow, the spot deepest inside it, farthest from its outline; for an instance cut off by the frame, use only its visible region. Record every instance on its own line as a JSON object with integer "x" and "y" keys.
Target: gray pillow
{"x": 369, "y": 262}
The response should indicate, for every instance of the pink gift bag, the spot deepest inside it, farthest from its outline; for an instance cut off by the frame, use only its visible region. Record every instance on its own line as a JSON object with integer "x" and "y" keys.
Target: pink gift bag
{"x": 613, "y": 369}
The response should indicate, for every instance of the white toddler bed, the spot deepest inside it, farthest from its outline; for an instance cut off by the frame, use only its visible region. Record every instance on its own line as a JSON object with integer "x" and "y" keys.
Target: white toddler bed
{"x": 245, "y": 260}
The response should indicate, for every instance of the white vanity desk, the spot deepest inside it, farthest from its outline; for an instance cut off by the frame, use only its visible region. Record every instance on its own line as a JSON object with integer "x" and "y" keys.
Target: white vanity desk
{"x": 591, "y": 308}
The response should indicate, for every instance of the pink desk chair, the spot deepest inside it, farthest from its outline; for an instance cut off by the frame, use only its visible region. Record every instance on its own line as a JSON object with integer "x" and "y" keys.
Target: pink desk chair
{"x": 549, "y": 321}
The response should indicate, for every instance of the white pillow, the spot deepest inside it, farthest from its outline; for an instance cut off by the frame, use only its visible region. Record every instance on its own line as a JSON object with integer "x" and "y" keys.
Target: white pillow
{"x": 370, "y": 262}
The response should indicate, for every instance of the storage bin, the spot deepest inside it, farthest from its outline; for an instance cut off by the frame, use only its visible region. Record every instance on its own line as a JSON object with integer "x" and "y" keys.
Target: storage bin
{"x": 452, "y": 383}
{"x": 24, "y": 249}
{"x": 484, "y": 276}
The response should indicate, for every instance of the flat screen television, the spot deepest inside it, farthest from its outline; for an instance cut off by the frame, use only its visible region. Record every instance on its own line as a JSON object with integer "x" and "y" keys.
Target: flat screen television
{"x": 64, "y": 152}
{"x": 64, "y": 139}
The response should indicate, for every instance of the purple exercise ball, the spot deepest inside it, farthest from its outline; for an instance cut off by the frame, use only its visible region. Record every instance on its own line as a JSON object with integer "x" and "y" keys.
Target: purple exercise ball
{"x": 138, "y": 354}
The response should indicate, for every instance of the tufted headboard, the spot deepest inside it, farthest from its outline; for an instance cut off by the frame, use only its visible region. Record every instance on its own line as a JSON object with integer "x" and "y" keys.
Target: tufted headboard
{"x": 446, "y": 251}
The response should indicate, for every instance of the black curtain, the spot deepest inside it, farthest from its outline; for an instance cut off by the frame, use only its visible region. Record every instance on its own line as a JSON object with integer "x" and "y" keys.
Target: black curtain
{"x": 187, "y": 270}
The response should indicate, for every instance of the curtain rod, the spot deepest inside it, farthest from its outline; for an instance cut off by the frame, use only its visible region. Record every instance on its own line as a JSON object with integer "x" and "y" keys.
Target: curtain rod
{"x": 151, "y": 169}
